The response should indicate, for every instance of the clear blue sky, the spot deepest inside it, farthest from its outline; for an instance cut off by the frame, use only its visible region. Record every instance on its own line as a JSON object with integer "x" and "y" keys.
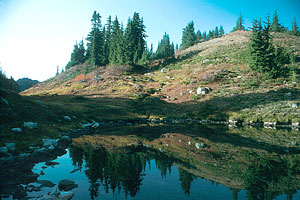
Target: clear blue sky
{"x": 38, "y": 35}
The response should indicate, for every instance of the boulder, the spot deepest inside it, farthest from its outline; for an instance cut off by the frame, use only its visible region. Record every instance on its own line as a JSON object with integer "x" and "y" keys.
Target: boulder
{"x": 64, "y": 141}
{"x": 3, "y": 150}
{"x": 57, "y": 196}
{"x": 66, "y": 185}
{"x": 50, "y": 143}
{"x": 30, "y": 125}
{"x": 93, "y": 125}
{"x": 18, "y": 130}
{"x": 45, "y": 183}
{"x": 10, "y": 146}
{"x": 200, "y": 145}
{"x": 163, "y": 70}
{"x": 67, "y": 118}
{"x": 205, "y": 90}
{"x": 205, "y": 61}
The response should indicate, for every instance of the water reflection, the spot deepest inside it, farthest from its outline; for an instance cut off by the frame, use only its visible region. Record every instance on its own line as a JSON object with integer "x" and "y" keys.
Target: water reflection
{"x": 116, "y": 171}
{"x": 123, "y": 169}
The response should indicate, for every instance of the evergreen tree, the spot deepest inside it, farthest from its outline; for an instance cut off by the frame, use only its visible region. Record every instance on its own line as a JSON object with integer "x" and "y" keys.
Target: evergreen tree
{"x": 210, "y": 34}
{"x": 221, "y": 30}
{"x": 116, "y": 48}
{"x": 134, "y": 37}
{"x": 264, "y": 57}
{"x": 204, "y": 36}
{"x": 188, "y": 36}
{"x": 295, "y": 29}
{"x": 165, "y": 49}
{"x": 95, "y": 42}
{"x": 275, "y": 26}
{"x": 177, "y": 48}
{"x": 198, "y": 36}
{"x": 239, "y": 24}
{"x": 78, "y": 55}
{"x": 216, "y": 32}
{"x": 107, "y": 30}
{"x": 57, "y": 70}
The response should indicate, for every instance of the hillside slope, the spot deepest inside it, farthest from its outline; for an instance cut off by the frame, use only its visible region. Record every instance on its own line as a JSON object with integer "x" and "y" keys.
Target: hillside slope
{"x": 233, "y": 91}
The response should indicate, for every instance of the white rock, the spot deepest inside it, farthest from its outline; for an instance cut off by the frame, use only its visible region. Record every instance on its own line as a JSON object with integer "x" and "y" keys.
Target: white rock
{"x": 19, "y": 130}
{"x": 30, "y": 125}
{"x": 163, "y": 70}
{"x": 205, "y": 61}
{"x": 148, "y": 74}
{"x": 67, "y": 118}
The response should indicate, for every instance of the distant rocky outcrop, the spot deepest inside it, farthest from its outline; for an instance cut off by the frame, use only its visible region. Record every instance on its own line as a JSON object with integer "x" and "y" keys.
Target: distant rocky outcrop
{"x": 25, "y": 83}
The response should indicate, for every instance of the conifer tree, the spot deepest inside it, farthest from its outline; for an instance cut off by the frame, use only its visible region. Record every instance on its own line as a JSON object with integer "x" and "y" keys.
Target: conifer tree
{"x": 204, "y": 36}
{"x": 134, "y": 37}
{"x": 276, "y": 26}
{"x": 107, "y": 30}
{"x": 57, "y": 70}
{"x": 221, "y": 30}
{"x": 78, "y": 55}
{"x": 165, "y": 49}
{"x": 95, "y": 42}
{"x": 216, "y": 32}
{"x": 188, "y": 36}
{"x": 239, "y": 24}
{"x": 263, "y": 56}
{"x": 295, "y": 29}
{"x": 198, "y": 36}
{"x": 116, "y": 55}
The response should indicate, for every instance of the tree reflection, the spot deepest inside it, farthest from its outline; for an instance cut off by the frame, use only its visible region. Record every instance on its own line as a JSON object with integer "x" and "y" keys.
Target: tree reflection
{"x": 115, "y": 171}
{"x": 263, "y": 178}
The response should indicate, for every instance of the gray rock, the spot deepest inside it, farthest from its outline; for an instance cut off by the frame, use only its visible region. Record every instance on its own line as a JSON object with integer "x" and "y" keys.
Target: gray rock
{"x": 205, "y": 61}
{"x": 10, "y": 146}
{"x": 163, "y": 70}
{"x": 148, "y": 74}
{"x": 4, "y": 100}
{"x": 93, "y": 125}
{"x": 200, "y": 145}
{"x": 148, "y": 145}
{"x": 205, "y": 90}
{"x": 294, "y": 105}
{"x": 68, "y": 118}
{"x": 64, "y": 140}
{"x": 50, "y": 143}
{"x": 45, "y": 183}
{"x": 65, "y": 195}
{"x": 18, "y": 130}
{"x": 66, "y": 185}
{"x": 30, "y": 125}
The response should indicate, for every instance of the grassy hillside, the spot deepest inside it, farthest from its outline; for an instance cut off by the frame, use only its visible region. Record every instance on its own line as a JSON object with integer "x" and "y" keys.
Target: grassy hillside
{"x": 220, "y": 64}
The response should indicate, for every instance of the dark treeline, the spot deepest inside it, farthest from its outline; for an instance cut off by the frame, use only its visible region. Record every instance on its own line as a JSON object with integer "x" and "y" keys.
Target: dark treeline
{"x": 190, "y": 38}
{"x": 114, "y": 44}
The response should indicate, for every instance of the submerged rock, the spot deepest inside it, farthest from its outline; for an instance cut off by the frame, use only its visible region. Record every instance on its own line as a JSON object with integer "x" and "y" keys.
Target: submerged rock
{"x": 19, "y": 130}
{"x": 10, "y": 146}
{"x": 66, "y": 185}
{"x": 45, "y": 183}
{"x": 67, "y": 118}
{"x": 30, "y": 125}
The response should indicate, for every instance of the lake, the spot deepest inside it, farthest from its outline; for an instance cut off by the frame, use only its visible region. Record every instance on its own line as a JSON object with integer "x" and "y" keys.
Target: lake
{"x": 199, "y": 163}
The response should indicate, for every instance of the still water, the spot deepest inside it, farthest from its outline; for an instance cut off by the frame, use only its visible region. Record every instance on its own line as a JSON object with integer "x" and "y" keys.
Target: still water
{"x": 168, "y": 162}
{"x": 136, "y": 176}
